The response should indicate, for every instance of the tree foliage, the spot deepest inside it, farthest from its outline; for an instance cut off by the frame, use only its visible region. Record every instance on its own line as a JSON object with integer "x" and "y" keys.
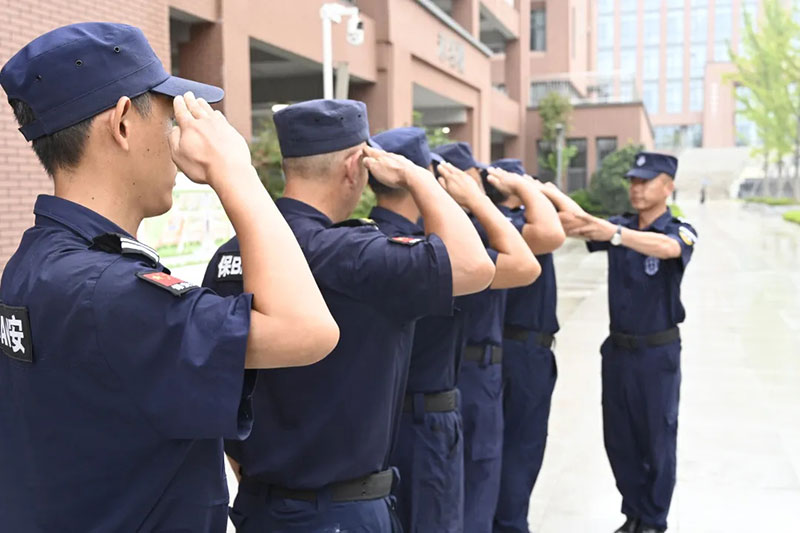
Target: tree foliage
{"x": 555, "y": 108}
{"x": 768, "y": 80}
{"x": 608, "y": 191}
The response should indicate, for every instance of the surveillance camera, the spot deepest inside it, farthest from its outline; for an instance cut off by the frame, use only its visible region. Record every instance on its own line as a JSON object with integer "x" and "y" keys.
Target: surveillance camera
{"x": 355, "y": 30}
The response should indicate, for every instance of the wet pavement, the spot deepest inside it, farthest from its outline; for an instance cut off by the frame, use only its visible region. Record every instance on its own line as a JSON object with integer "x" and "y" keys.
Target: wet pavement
{"x": 739, "y": 427}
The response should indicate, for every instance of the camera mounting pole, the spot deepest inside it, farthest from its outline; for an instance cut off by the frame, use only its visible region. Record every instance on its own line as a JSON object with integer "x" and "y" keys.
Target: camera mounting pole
{"x": 330, "y": 13}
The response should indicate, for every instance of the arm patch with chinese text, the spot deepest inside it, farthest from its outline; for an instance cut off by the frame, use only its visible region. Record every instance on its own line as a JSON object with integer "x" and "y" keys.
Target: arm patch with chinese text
{"x": 15, "y": 333}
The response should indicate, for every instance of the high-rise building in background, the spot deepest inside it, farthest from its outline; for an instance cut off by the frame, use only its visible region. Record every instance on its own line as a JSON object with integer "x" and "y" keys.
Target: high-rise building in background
{"x": 677, "y": 52}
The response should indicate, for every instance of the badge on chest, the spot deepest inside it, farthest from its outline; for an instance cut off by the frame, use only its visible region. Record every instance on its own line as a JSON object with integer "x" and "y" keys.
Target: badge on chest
{"x": 651, "y": 265}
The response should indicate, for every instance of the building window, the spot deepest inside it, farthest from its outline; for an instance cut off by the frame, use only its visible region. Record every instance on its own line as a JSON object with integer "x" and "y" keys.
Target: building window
{"x": 605, "y": 146}
{"x": 605, "y": 6}
{"x": 699, "y": 25}
{"x": 674, "y": 97}
{"x": 694, "y": 135}
{"x": 722, "y": 23}
{"x": 696, "y": 95}
{"x": 543, "y": 149}
{"x": 748, "y": 7}
{"x": 675, "y": 3}
{"x": 699, "y": 3}
{"x": 577, "y": 171}
{"x": 626, "y": 6}
{"x": 697, "y": 64}
{"x": 667, "y": 137}
{"x": 650, "y": 96}
{"x": 675, "y": 25}
{"x": 605, "y": 31}
{"x": 605, "y": 61}
{"x": 628, "y": 30}
{"x": 652, "y": 63}
{"x": 652, "y": 28}
{"x": 627, "y": 61}
{"x": 675, "y": 62}
{"x": 538, "y": 30}
{"x": 721, "y": 52}
{"x": 652, "y": 5}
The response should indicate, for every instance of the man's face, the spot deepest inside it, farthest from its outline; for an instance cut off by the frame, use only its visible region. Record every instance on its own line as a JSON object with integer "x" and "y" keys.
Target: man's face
{"x": 646, "y": 194}
{"x": 152, "y": 169}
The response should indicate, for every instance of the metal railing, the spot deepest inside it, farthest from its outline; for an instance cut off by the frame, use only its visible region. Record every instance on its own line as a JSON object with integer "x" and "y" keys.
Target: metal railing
{"x": 586, "y": 87}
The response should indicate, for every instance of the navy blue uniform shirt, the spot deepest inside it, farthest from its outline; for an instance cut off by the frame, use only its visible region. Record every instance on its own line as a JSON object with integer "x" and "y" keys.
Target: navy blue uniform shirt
{"x": 644, "y": 293}
{"x": 438, "y": 340}
{"x": 115, "y": 421}
{"x": 533, "y": 307}
{"x": 334, "y": 420}
{"x": 484, "y": 311}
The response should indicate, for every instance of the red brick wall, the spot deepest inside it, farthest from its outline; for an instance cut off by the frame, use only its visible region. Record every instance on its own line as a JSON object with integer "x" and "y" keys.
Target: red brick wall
{"x": 21, "y": 176}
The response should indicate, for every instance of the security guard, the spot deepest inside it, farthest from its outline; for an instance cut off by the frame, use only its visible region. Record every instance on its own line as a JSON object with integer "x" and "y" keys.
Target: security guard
{"x": 429, "y": 449}
{"x": 647, "y": 255}
{"x": 317, "y": 459}
{"x": 529, "y": 366}
{"x": 118, "y": 380}
{"x": 480, "y": 379}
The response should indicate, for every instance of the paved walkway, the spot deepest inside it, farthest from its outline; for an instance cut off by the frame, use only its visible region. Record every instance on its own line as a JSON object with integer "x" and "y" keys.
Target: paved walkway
{"x": 739, "y": 434}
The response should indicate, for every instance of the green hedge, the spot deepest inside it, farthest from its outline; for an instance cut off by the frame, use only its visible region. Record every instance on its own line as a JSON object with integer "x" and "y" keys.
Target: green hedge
{"x": 676, "y": 210}
{"x": 771, "y": 201}
{"x": 792, "y": 216}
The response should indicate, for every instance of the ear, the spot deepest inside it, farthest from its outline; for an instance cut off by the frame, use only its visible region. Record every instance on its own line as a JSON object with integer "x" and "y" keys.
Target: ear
{"x": 353, "y": 169}
{"x": 118, "y": 122}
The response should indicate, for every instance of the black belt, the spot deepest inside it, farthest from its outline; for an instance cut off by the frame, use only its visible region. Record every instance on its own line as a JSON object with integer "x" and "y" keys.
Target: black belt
{"x": 478, "y": 353}
{"x": 438, "y": 402}
{"x": 371, "y": 487}
{"x": 516, "y": 333}
{"x": 634, "y": 342}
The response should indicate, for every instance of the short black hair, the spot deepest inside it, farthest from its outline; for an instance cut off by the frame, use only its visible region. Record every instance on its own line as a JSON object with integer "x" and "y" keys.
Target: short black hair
{"x": 64, "y": 148}
{"x": 383, "y": 190}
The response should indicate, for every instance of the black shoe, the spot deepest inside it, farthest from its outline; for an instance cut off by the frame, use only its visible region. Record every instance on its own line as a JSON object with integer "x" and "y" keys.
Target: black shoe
{"x": 649, "y": 529}
{"x": 631, "y": 525}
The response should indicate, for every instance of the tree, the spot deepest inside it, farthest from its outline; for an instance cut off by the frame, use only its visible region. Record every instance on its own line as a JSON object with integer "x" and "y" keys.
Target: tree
{"x": 768, "y": 68}
{"x": 436, "y": 136}
{"x": 265, "y": 152}
{"x": 554, "y": 109}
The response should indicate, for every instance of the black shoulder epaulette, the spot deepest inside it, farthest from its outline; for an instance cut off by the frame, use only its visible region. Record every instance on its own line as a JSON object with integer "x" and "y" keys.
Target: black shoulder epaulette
{"x": 355, "y": 222}
{"x": 114, "y": 243}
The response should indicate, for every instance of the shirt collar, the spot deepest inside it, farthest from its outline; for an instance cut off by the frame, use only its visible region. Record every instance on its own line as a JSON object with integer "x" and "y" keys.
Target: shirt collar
{"x": 88, "y": 224}
{"x": 381, "y": 214}
{"x": 81, "y": 220}
{"x": 290, "y": 206}
{"x": 660, "y": 224}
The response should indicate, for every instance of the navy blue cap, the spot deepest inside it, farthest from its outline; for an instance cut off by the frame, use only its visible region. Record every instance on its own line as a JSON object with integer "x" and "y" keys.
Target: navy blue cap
{"x": 321, "y": 126}
{"x": 510, "y": 165}
{"x": 411, "y": 143}
{"x": 78, "y": 71}
{"x": 648, "y": 165}
{"x": 459, "y": 155}
{"x": 436, "y": 157}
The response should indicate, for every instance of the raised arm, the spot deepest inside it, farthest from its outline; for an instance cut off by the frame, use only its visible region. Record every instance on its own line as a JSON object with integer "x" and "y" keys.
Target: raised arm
{"x": 516, "y": 265}
{"x": 542, "y": 230}
{"x": 290, "y": 324}
{"x": 472, "y": 268}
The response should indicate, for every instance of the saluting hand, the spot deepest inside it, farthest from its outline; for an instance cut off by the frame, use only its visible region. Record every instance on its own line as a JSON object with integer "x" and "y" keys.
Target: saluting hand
{"x": 392, "y": 170}
{"x": 507, "y": 183}
{"x": 459, "y": 185}
{"x": 590, "y": 228}
{"x": 204, "y": 145}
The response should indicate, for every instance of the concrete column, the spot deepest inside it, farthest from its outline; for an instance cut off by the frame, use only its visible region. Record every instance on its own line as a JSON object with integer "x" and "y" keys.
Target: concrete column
{"x": 518, "y": 80}
{"x": 467, "y": 13}
{"x": 391, "y": 99}
{"x": 219, "y": 53}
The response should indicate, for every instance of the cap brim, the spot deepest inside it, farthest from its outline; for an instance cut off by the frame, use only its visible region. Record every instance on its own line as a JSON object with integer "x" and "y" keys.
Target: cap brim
{"x": 175, "y": 86}
{"x": 371, "y": 142}
{"x": 642, "y": 173}
{"x": 481, "y": 166}
{"x": 436, "y": 157}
